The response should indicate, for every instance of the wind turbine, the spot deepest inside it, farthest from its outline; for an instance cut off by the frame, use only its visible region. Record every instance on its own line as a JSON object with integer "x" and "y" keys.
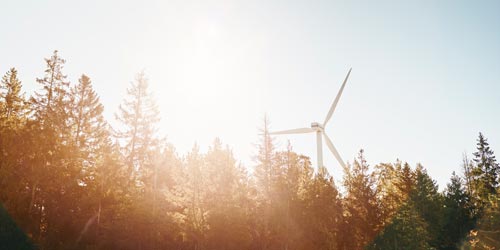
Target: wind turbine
{"x": 319, "y": 129}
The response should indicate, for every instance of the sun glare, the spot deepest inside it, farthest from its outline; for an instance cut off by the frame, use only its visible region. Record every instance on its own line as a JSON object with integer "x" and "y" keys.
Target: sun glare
{"x": 239, "y": 125}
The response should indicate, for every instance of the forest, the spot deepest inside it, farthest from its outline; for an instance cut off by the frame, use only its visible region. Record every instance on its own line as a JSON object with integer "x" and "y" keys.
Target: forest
{"x": 68, "y": 180}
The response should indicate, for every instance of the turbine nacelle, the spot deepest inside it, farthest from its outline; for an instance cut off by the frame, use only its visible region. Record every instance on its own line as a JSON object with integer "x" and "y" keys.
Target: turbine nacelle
{"x": 316, "y": 126}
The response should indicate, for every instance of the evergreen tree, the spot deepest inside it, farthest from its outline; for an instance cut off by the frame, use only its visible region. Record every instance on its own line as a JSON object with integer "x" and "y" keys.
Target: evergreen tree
{"x": 458, "y": 214}
{"x": 394, "y": 184}
{"x": 361, "y": 204}
{"x": 195, "y": 197}
{"x": 485, "y": 173}
{"x": 291, "y": 188}
{"x": 388, "y": 198}
{"x": 407, "y": 231}
{"x": 227, "y": 228}
{"x": 94, "y": 159}
{"x": 265, "y": 170}
{"x": 89, "y": 130}
{"x": 89, "y": 127}
{"x": 467, "y": 166}
{"x": 486, "y": 234}
{"x": 322, "y": 215}
{"x": 12, "y": 103}
{"x": 139, "y": 115}
{"x": 265, "y": 174}
{"x": 68, "y": 185}
{"x": 167, "y": 203}
{"x": 50, "y": 175}
{"x": 50, "y": 103}
{"x": 142, "y": 152}
{"x": 428, "y": 202}
{"x": 13, "y": 144}
{"x": 405, "y": 181}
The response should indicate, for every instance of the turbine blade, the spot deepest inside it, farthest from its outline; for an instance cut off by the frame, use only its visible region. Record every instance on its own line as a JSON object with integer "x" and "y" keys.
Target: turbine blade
{"x": 333, "y": 149}
{"x": 293, "y": 131}
{"x": 334, "y": 104}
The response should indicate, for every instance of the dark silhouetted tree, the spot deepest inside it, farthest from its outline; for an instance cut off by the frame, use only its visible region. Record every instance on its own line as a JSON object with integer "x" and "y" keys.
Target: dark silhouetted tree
{"x": 457, "y": 216}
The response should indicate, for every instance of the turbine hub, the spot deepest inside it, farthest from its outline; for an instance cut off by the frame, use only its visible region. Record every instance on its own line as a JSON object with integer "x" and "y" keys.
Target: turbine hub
{"x": 316, "y": 126}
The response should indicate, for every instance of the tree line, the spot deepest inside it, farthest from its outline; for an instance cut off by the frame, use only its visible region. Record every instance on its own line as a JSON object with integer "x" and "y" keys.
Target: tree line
{"x": 70, "y": 181}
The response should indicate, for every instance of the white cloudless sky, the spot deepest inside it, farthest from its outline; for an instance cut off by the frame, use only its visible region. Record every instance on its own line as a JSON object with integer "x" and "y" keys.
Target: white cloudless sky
{"x": 425, "y": 79}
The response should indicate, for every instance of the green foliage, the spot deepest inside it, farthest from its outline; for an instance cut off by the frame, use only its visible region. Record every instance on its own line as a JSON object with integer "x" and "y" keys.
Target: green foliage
{"x": 457, "y": 215}
{"x": 485, "y": 172}
{"x": 12, "y": 103}
{"x": 428, "y": 202}
{"x": 322, "y": 214}
{"x": 486, "y": 235}
{"x": 50, "y": 103}
{"x": 361, "y": 206}
{"x": 407, "y": 231}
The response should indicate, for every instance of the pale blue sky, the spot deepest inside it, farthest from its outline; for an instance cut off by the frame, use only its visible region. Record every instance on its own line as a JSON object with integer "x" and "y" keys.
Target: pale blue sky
{"x": 425, "y": 79}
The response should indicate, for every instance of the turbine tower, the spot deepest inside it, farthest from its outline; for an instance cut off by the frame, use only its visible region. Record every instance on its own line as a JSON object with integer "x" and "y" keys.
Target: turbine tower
{"x": 319, "y": 129}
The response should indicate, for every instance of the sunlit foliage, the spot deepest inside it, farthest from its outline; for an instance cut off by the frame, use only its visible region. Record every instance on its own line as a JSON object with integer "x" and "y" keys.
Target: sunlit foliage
{"x": 70, "y": 181}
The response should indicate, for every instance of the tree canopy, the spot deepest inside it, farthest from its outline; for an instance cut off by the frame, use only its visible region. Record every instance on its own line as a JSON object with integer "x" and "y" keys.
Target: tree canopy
{"x": 70, "y": 181}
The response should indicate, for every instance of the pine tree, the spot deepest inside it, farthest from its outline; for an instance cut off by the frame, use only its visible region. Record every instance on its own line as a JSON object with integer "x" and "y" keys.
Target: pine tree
{"x": 50, "y": 104}
{"x": 467, "y": 166}
{"x": 227, "y": 228}
{"x": 388, "y": 197}
{"x": 428, "y": 202}
{"x": 93, "y": 158}
{"x": 486, "y": 233}
{"x": 13, "y": 111}
{"x": 12, "y": 103}
{"x": 89, "y": 131}
{"x": 139, "y": 115}
{"x": 360, "y": 203}
{"x": 265, "y": 174}
{"x": 322, "y": 215}
{"x": 407, "y": 231}
{"x": 485, "y": 173}
{"x": 405, "y": 181}
{"x": 142, "y": 150}
{"x": 50, "y": 175}
{"x": 88, "y": 125}
{"x": 394, "y": 185}
{"x": 195, "y": 195}
{"x": 457, "y": 216}
{"x": 13, "y": 146}
{"x": 265, "y": 169}
{"x": 291, "y": 187}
